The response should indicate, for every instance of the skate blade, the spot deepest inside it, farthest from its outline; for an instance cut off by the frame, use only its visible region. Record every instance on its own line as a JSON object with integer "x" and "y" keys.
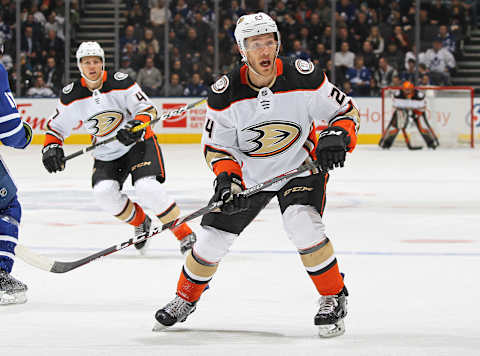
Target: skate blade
{"x": 332, "y": 330}
{"x": 15, "y": 298}
{"x": 157, "y": 327}
{"x": 143, "y": 250}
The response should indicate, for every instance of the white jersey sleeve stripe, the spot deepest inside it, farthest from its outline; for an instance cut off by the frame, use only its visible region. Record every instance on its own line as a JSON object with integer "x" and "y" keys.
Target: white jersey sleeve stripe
{"x": 12, "y": 132}
{"x": 9, "y": 117}
{"x": 8, "y": 238}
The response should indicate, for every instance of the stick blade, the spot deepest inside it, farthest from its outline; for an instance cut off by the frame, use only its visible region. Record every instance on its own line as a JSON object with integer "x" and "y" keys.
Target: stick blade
{"x": 33, "y": 259}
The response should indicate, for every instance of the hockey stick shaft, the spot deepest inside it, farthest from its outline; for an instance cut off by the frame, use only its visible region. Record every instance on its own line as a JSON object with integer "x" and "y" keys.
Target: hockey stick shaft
{"x": 164, "y": 116}
{"x": 50, "y": 265}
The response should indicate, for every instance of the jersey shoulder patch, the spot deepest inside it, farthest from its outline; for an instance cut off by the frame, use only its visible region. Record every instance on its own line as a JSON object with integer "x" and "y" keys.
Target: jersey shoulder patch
{"x": 68, "y": 88}
{"x": 220, "y": 85}
{"x": 120, "y": 76}
{"x": 304, "y": 67}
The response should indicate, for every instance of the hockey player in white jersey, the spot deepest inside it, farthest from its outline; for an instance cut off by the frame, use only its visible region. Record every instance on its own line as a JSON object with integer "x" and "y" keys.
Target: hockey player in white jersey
{"x": 17, "y": 134}
{"x": 260, "y": 124}
{"x": 110, "y": 105}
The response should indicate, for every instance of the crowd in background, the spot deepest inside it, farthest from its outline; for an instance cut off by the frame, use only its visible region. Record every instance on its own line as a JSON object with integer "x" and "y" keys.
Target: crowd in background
{"x": 374, "y": 45}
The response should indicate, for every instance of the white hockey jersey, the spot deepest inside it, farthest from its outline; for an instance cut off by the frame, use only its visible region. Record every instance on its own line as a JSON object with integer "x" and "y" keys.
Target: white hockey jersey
{"x": 260, "y": 133}
{"x": 416, "y": 101}
{"x": 103, "y": 112}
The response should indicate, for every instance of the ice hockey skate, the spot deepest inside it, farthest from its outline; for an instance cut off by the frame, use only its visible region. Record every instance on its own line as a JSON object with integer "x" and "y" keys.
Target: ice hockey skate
{"x": 332, "y": 311}
{"x": 12, "y": 291}
{"x": 142, "y": 230}
{"x": 176, "y": 311}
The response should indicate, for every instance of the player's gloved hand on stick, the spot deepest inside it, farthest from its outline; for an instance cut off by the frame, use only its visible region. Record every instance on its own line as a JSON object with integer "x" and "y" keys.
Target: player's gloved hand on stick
{"x": 126, "y": 136}
{"x": 227, "y": 186}
{"x": 332, "y": 147}
{"x": 53, "y": 158}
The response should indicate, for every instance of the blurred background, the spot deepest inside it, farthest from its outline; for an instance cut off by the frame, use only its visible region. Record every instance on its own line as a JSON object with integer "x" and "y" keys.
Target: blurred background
{"x": 176, "y": 48}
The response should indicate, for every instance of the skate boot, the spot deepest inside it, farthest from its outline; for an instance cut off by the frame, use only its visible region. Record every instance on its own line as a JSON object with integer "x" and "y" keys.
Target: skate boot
{"x": 187, "y": 242}
{"x": 142, "y": 230}
{"x": 332, "y": 311}
{"x": 176, "y": 311}
{"x": 12, "y": 291}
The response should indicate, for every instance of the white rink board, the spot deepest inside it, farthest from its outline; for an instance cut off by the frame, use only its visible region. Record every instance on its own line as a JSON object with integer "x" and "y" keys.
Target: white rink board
{"x": 38, "y": 111}
{"x": 404, "y": 226}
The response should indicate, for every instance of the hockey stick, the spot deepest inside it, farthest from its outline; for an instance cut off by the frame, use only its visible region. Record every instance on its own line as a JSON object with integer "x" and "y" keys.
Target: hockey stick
{"x": 50, "y": 265}
{"x": 164, "y": 116}
{"x": 407, "y": 141}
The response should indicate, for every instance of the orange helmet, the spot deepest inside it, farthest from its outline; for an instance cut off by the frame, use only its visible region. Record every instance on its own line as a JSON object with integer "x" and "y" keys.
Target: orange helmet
{"x": 408, "y": 85}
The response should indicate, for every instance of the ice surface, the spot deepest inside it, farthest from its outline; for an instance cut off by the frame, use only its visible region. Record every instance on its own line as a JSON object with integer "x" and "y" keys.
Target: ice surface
{"x": 405, "y": 226}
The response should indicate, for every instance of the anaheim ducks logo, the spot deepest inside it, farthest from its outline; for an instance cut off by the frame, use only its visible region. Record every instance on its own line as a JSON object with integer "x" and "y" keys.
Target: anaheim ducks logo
{"x": 103, "y": 123}
{"x": 272, "y": 138}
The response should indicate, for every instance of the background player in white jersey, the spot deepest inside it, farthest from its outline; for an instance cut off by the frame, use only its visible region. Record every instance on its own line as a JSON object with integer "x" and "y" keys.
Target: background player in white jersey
{"x": 409, "y": 105}
{"x": 111, "y": 105}
{"x": 17, "y": 134}
{"x": 260, "y": 124}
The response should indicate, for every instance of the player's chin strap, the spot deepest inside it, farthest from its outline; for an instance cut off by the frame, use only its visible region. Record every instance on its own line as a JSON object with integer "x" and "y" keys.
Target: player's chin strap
{"x": 50, "y": 265}
{"x": 164, "y": 116}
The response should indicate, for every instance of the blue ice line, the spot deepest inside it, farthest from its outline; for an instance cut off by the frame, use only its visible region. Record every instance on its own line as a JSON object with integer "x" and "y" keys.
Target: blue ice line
{"x": 275, "y": 252}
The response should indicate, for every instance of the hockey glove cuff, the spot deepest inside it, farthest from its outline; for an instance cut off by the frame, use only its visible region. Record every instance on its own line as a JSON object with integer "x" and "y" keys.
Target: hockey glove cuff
{"x": 28, "y": 133}
{"x": 332, "y": 147}
{"x": 227, "y": 186}
{"x": 53, "y": 158}
{"x": 126, "y": 136}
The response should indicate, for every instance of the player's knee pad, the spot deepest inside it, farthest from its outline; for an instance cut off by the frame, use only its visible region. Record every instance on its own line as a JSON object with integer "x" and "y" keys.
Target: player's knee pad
{"x": 212, "y": 244}
{"x": 151, "y": 194}
{"x": 303, "y": 225}
{"x": 108, "y": 195}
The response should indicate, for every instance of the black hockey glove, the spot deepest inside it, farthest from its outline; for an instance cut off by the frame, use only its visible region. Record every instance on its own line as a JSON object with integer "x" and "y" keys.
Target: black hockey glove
{"x": 227, "y": 186}
{"x": 53, "y": 158}
{"x": 126, "y": 136}
{"x": 332, "y": 147}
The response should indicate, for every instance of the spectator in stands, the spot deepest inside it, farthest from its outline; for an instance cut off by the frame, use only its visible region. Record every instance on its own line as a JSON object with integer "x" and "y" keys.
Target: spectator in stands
{"x": 236, "y": 11}
{"x": 360, "y": 27}
{"x": 53, "y": 75}
{"x": 175, "y": 89}
{"x": 409, "y": 74}
{"x": 400, "y": 39}
{"x": 423, "y": 71}
{"x": 315, "y": 29}
{"x": 302, "y": 12}
{"x": 394, "y": 56}
{"x": 385, "y": 73}
{"x": 438, "y": 13}
{"x": 448, "y": 41}
{"x": 182, "y": 9}
{"x": 7, "y": 62}
{"x": 129, "y": 37}
{"x": 148, "y": 40}
{"x": 125, "y": 67}
{"x": 38, "y": 16}
{"x": 396, "y": 81}
{"x": 369, "y": 58}
{"x": 53, "y": 46}
{"x": 40, "y": 90}
{"x": 207, "y": 12}
{"x": 158, "y": 15}
{"x": 5, "y": 33}
{"x": 298, "y": 51}
{"x": 136, "y": 61}
{"x": 359, "y": 76}
{"x": 201, "y": 27}
{"x": 179, "y": 29}
{"x": 374, "y": 89}
{"x": 196, "y": 87}
{"x": 440, "y": 63}
{"x": 136, "y": 16}
{"x": 150, "y": 78}
{"x": 344, "y": 59}
{"x": 348, "y": 89}
{"x": 192, "y": 43}
{"x": 376, "y": 39}
{"x": 177, "y": 68}
{"x": 324, "y": 11}
{"x": 343, "y": 36}
{"x": 55, "y": 23}
{"x": 37, "y": 28}
{"x": 29, "y": 46}
{"x": 320, "y": 56}
{"x": 425, "y": 81}
{"x": 347, "y": 10}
